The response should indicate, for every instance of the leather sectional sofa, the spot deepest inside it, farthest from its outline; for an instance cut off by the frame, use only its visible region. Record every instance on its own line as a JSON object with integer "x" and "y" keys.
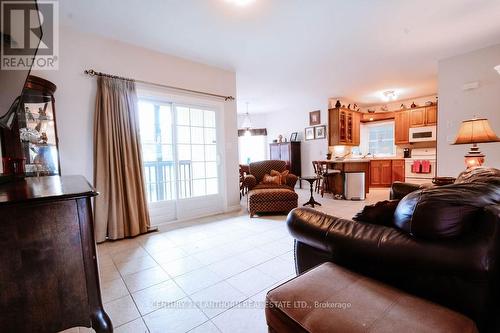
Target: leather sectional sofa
{"x": 441, "y": 244}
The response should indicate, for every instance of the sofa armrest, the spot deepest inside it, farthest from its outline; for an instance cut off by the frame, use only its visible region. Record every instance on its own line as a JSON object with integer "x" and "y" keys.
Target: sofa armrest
{"x": 291, "y": 180}
{"x": 249, "y": 181}
{"x": 368, "y": 244}
{"x": 400, "y": 190}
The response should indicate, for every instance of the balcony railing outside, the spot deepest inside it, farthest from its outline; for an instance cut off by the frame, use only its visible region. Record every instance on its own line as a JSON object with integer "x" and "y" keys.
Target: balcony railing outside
{"x": 160, "y": 180}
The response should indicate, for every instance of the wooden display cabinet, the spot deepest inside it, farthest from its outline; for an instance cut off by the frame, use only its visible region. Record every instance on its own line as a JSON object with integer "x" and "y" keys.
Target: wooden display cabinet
{"x": 343, "y": 127}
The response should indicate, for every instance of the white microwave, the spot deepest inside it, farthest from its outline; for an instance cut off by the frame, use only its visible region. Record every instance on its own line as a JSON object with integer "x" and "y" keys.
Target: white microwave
{"x": 421, "y": 134}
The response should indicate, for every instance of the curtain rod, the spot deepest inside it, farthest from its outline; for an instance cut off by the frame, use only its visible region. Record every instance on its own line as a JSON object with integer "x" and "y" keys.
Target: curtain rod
{"x": 92, "y": 72}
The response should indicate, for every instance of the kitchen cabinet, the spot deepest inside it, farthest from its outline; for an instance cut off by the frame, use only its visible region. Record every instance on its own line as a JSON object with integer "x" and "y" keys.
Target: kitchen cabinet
{"x": 384, "y": 172}
{"x": 401, "y": 127}
{"x": 343, "y": 127}
{"x": 417, "y": 117}
{"x": 380, "y": 173}
{"x": 423, "y": 116}
{"x": 377, "y": 116}
{"x": 337, "y": 181}
{"x": 431, "y": 115}
{"x": 288, "y": 152}
{"x": 398, "y": 170}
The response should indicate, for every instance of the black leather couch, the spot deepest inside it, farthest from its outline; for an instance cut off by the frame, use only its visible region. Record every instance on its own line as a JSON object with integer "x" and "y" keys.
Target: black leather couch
{"x": 461, "y": 273}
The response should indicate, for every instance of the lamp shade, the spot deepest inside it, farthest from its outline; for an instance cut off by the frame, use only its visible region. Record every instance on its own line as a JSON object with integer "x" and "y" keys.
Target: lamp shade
{"x": 475, "y": 131}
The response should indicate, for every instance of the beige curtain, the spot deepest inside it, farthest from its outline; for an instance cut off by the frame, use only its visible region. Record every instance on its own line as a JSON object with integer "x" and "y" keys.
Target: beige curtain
{"x": 121, "y": 207}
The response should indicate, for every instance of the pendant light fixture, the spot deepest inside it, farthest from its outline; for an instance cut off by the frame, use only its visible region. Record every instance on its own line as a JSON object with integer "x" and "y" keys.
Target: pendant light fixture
{"x": 247, "y": 123}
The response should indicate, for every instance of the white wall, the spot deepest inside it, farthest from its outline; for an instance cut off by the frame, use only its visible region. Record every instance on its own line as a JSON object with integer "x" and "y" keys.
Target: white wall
{"x": 286, "y": 123}
{"x": 75, "y": 96}
{"x": 456, "y": 105}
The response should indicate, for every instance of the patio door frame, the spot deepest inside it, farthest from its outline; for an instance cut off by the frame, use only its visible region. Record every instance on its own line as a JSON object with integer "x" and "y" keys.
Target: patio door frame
{"x": 171, "y": 211}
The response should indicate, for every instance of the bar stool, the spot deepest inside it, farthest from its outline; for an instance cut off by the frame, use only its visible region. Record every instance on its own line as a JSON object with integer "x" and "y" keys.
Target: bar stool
{"x": 317, "y": 172}
{"x": 328, "y": 176}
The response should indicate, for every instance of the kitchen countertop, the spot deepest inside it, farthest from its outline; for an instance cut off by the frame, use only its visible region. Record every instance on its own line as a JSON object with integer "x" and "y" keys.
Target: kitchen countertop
{"x": 362, "y": 160}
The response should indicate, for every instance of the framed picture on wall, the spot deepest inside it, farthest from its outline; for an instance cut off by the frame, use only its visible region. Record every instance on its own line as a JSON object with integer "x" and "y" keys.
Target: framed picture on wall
{"x": 293, "y": 137}
{"x": 320, "y": 132}
{"x": 309, "y": 133}
{"x": 314, "y": 118}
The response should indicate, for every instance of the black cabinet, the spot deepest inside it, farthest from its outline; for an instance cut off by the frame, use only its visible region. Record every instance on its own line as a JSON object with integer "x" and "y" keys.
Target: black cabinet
{"x": 288, "y": 152}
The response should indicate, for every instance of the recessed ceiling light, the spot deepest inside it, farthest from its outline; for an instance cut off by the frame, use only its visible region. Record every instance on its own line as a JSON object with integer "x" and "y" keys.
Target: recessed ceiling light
{"x": 240, "y": 3}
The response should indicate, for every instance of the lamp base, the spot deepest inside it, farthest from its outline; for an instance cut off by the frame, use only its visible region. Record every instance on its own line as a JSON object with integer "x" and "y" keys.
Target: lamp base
{"x": 474, "y": 157}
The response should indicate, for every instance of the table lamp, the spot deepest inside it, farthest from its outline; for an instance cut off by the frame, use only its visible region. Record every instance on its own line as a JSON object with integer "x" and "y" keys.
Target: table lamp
{"x": 474, "y": 131}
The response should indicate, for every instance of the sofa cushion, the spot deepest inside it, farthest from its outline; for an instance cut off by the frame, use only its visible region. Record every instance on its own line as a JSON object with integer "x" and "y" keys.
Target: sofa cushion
{"x": 381, "y": 213}
{"x": 445, "y": 211}
{"x": 274, "y": 194}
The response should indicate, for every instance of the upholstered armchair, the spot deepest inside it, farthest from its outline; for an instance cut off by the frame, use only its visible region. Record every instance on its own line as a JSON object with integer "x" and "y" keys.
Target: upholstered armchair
{"x": 259, "y": 169}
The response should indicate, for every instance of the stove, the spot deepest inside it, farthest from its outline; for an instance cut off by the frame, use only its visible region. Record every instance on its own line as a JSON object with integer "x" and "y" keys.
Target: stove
{"x": 420, "y": 168}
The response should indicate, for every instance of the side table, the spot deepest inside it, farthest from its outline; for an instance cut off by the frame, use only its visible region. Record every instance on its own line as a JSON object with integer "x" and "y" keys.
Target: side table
{"x": 311, "y": 180}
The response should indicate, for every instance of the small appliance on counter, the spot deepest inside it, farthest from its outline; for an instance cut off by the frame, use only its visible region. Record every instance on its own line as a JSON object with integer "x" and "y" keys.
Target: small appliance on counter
{"x": 406, "y": 152}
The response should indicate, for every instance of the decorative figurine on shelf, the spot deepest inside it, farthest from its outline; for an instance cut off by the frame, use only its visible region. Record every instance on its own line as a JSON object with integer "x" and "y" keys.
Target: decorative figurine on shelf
{"x": 38, "y": 126}
{"x": 328, "y": 156}
{"x": 280, "y": 138}
{"x": 44, "y": 138}
{"x": 42, "y": 114}
{"x": 349, "y": 106}
{"x": 402, "y": 107}
{"x": 371, "y": 110}
{"x": 29, "y": 115}
{"x": 343, "y": 106}
{"x": 413, "y": 105}
{"x": 29, "y": 135}
{"x": 338, "y": 104}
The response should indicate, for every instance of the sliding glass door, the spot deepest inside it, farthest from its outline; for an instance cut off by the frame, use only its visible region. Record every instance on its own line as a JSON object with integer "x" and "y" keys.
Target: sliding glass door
{"x": 179, "y": 146}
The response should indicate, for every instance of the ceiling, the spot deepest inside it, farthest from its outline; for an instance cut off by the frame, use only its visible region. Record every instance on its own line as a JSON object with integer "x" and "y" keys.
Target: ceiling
{"x": 292, "y": 55}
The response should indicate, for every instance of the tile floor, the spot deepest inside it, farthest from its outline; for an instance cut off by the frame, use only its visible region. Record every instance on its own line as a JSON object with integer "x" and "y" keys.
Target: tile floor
{"x": 211, "y": 276}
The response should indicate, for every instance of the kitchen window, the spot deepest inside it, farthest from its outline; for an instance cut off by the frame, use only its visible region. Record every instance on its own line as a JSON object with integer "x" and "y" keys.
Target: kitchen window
{"x": 377, "y": 139}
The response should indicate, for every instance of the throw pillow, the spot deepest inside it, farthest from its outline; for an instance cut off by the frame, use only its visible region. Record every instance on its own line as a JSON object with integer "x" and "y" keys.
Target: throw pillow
{"x": 381, "y": 213}
{"x": 283, "y": 175}
{"x": 271, "y": 180}
{"x": 445, "y": 211}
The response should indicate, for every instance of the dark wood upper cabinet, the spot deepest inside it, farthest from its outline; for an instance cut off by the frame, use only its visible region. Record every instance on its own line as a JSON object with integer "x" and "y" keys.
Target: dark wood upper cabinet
{"x": 343, "y": 127}
{"x": 288, "y": 152}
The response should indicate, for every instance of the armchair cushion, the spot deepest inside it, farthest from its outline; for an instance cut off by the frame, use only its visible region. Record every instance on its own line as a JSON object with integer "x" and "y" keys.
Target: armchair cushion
{"x": 283, "y": 175}
{"x": 272, "y": 180}
{"x": 381, "y": 213}
{"x": 445, "y": 211}
{"x": 259, "y": 169}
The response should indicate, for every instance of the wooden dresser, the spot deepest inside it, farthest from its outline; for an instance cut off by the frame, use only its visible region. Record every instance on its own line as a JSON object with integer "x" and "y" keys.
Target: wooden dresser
{"x": 48, "y": 278}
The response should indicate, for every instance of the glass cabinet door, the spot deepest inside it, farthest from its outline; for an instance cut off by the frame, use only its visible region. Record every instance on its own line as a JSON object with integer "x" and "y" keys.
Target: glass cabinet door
{"x": 37, "y": 129}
